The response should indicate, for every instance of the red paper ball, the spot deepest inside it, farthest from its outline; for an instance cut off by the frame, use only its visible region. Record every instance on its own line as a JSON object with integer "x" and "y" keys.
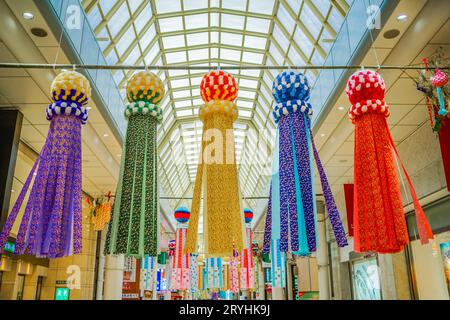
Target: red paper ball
{"x": 218, "y": 85}
{"x": 364, "y": 85}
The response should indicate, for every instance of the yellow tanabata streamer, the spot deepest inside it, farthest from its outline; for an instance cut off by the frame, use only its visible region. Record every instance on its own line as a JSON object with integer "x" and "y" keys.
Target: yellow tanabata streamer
{"x": 217, "y": 179}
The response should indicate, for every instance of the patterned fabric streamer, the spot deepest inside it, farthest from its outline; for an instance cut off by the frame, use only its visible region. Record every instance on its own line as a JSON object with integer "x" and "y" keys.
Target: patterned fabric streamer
{"x": 291, "y": 212}
{"x": 134, "y": 227}
{"x": 51, "y": 225}
{"x": 379, "y": 219}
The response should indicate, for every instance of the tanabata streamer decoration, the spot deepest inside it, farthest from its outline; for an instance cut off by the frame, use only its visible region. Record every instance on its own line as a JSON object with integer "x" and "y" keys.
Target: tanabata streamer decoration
{"x": 217, "y": 172}
{"x": 439, "y": 80}
{"x": 379, "y": 220}
{"x": 247, "y": 272}
{"x": 181, "y": 272}
{"x": 101, "y": 213}
{"x": 134, "y": 228}
{"x": 213, "y": 273}
{"x": 193, "y": 266}
{"x": 51, "y": 224}
{"x": 148, "y": 273}
{"x": 234, "y": 272}
{"x": 291, "y": 211}
{"x": 278, "y": 265}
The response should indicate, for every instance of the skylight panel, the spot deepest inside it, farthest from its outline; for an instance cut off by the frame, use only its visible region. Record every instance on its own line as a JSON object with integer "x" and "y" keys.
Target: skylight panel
{"x": 231, "y": 39}
{"x": 94, "y": 17}
{"x": 323, "y": 6}
{"x": 232, "y": 21}
{"x": 303, "y": 42}
{"x": 164, "y": 6}
{"x": 170, "y": 24}
{"x": 194, "y": 39}
{"x": 196, "y": 21}
{"x": 246, "y": 94}
{"x": 118, "y": 20}
{"x": 151, "y": 55}
{"x": 295, "y": 57}
{"x": 112, "y": 58}
{"x": 286, "y": 19}
{"x": 264, "y": 7}
{"x": 276, "y": 55}
{"x": 181, "y": 94}
{"x": 194, "y": 4}
{"x": 184, "y": 113}
{"x": 199, "y": 54}
{"x": 248, "y": 83}
{"x": 148, "y": 37}
{"x": 133, "y": 56}
{"x": 103, "y": 39}
{"x": 173, "y": 42}
{"x": 125, "y": 41}
{"x": 134, "y": 4}
{"x": 252, "y": 57}
{"x": 244, "y": 104}
{"x": 106, "y": 6}
{"x": 335, "y": 19}
{"x": 180, "y": 83}
{"x": 143, "y": 18}
{"x": 229, "y": 54}
{"x": 258, "y": 25}
{"x": 175, "y": 57}
{"x": 182, "y": 104}
{"x": 310, "y": 20}
{"x": 255, "y": 42}
{"x": 234, "y": 4}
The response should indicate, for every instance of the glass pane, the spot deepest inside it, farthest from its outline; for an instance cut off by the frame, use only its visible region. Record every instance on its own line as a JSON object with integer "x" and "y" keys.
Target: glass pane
{"x": 164, "y": 6}
{"x": 196, "y": 21}
{"x": 170, "y": 24}
{"x": 258, "y": 25}
{"x": 265, "y": 7}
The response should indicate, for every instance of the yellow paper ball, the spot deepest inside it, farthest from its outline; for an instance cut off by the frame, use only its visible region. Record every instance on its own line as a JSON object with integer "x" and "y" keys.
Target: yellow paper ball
{"x": 145, "y": 86}
{"x": 71, "y": 86}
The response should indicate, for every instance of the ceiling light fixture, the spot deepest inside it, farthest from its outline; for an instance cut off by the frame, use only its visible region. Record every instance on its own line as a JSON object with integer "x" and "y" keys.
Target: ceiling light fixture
{"x": 402, "y": 17}
{"x": 341, "y": 108}
{"x": 322, "y": 135}
{"x": 106, "y": 135}
{"x": 28, "y": 15}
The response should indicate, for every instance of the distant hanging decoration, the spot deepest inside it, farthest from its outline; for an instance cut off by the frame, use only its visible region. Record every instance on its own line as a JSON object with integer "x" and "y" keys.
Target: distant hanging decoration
{"x": 433, "y": 83}
{"x": 291, "y": 212}
{"x": 101, "y": 212}
{"x": 234, "y": 273}
{"x": 52, "y": 221}
{"x": 217, "y": 170}
{"x": 181, "y": 272}
{"x": 134, "y": 228}
{"x": 379, "y": 220}
{"x": 193, "y": 266}
{"x": 213, "y": 278}
{"x": 247, "y": 272}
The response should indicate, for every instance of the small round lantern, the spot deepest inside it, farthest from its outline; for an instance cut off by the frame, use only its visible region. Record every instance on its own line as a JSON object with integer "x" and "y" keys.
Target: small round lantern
{"x": 248, "y": 215}
{"x": 182, "y": 214}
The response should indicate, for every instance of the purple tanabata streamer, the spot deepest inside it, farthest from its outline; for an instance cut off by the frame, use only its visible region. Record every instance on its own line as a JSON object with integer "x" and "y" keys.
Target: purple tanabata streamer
{"x": 53, "y": 209}
{"x": 268, "y": 225}
{"x": 288, "y": 206}
{"x": 333, "y": 212}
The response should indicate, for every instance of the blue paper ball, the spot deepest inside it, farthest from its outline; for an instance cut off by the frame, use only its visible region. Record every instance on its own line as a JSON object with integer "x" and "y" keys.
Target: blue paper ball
{"x": 182, "y": 214}
{"x": 290, "y": 85}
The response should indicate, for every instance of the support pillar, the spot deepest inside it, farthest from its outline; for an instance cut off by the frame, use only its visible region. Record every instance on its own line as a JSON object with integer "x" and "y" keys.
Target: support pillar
{"x": 322, "y": 256}
{"x": 10, "y": 128}
{"x": 278, "y": 294}
{"x": 101, "y": 267}
{"x": 114, "y": 267}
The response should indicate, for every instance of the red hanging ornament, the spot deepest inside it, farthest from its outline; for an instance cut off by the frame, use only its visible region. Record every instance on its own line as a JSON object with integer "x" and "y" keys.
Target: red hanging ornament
{"x": 379, "y": 220}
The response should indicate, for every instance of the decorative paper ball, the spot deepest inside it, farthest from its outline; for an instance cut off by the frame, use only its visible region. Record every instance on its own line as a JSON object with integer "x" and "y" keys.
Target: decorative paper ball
{"x": 290, "y": 85}
{"x": 71, "y": 86}
{"x": 145, "y": 86}
{"x": 439, "y": 79}
{"x": 182, "y": 214}
{"x": 366, "y": 90}
{"x": 248, "y": 215}
{"x": 218, "y": 85}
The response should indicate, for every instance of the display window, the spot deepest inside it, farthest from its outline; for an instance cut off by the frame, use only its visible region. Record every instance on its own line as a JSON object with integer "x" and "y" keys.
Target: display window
{"x": 365, "y": 279}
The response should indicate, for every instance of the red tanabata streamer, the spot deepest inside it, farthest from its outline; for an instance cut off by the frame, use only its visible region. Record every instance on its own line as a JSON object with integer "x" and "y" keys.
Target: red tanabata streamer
{"x": 379, "y": 219}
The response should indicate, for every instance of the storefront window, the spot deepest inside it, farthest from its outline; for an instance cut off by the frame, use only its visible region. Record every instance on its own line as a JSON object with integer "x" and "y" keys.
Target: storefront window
{"x": 20, "y": 286}
{"x": 366, "y": 282}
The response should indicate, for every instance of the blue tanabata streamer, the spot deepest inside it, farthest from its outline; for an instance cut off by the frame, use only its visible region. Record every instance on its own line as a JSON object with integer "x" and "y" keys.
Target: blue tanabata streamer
{"x": 292, "y": 192}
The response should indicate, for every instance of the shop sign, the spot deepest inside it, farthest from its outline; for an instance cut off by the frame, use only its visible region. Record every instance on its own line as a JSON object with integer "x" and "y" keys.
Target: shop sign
{"x": 130, "y": 295}
{"x": 10, "y": 247}
{"x": 62, "y": 294}
{"x": 61, "y": 282}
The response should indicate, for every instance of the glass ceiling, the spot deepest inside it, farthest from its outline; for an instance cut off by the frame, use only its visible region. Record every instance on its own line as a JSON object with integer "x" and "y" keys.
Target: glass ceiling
{"x": 212, "y": 33}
